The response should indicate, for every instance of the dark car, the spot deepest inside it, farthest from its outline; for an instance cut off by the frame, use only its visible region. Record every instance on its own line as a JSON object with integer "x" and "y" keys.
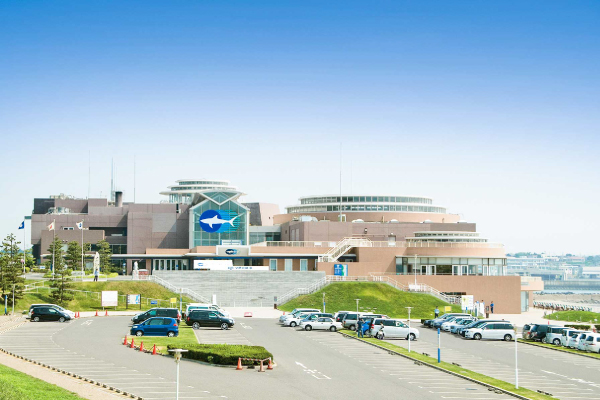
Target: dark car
{"x": 339, "y": 317}
{"x": 208, "y": 318}
{"x": 157, "y": 312}
{"x": 45, "y": 313}
{"x": 539, "y": 331}
{"x": 156, "y": 326}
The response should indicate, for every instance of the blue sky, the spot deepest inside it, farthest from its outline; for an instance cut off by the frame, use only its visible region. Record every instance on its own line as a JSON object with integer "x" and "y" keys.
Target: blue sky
{"x": 491, "y": 108}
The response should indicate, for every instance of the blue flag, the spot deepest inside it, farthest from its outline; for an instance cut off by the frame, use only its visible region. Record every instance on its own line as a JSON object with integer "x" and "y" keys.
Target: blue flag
{"x": 22, "y": 226}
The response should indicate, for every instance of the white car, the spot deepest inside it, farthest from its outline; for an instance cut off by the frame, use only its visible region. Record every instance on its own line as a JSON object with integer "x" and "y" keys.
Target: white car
{"x": 582, "y": 338}
{"x": 395, "y": 329}
{"x": 295, "y": 320}
{"x": 592, "y": 342}
{"x": 567, "y": 334}
{"x": 573, "y": 341}
{"x": 323, "y": 323}
{"x": 447, "y": 326}
{"x": 492, "y": 330}
{"x": 68, "y": 312}
{"x": 295, "y": 312}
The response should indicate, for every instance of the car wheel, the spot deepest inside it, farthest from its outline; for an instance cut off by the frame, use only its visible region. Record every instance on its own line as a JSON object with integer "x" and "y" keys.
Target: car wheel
{"x": 139, "y": 333}
{"x": 196, "y": 325}
{"x": 507, "y": 338}
{"x": 352, "y": 327}
{"x": 61, "y": 319}
{"x": 308, "y": 328}
{"x": 36, "y": 319}
{"x": 477, "y": 336}
{"x": 292, "y": 324}
{"x": 412, "y": 337}
{"x": 333, "y": 329}
{"x": 171, "y": 334}
{"x": 380, "y": 335}
{"x": 556, "y": 342}
{"x": 224, "y": 326}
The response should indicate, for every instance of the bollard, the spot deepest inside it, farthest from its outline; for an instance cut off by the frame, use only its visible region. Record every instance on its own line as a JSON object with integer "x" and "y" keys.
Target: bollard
{"x": 262, "y": 367}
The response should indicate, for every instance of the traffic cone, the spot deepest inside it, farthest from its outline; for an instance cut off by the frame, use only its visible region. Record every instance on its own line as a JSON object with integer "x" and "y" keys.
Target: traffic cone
{"x": 131, "y": 345}
{"x": 106, "y": 315}
{"x": 154, "y": 350}
{"x": 239, "y": 366}
{"x": 96, "y": 313}
{"x": 125, "y": 341}
{"x": 270, "y": 364}
{"x": 142, "y": 346}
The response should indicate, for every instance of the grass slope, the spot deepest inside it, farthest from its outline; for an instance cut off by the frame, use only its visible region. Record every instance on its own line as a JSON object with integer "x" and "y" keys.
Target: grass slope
{"x": 574, "y": 316}
{"x": 17, "y": 385}
{"x": 89, "y": 302}
{"x": 378, "y": 297}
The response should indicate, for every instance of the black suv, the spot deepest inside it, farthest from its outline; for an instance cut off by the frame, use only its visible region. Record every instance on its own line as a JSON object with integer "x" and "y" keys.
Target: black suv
{"x": 157, "y": 312}
{"x": 539, "y": 331}
{"x": 208, "y": 318}
{"x": 44, "y": 313}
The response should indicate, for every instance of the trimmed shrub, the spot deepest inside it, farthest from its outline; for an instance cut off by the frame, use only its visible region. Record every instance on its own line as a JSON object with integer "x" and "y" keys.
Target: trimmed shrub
{"x": 224, "y": 354}
{"x": 580, "y": 327}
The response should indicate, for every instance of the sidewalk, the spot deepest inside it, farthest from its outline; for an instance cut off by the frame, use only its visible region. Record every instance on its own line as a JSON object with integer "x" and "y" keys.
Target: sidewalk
{"x": 534, "y": 315}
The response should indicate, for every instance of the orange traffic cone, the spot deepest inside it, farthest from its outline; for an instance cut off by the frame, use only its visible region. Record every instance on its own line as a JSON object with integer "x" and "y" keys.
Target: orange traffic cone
{"x": 125, "y": 341}
{"x": 154, "y": 350}
{"x": 106, "y": 315}
{"x": 142, "y": 346}
{"x": 239, "y": 367}
{"x": 131, "y": 345}
{"x": 96, "y": 313}
{"x": 270, "y": 364}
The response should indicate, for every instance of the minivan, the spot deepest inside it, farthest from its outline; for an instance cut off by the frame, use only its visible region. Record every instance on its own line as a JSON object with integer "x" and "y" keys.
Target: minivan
{"x": 392, "y": 328}
{"x": 351, "y": 319}
{"x": 492, "y": 330}
{"x": 295, "y": 313}
{"x": 554, "y": 335}
{"x": 59, "y": 308}
{"x": 592, "y": 342}
{"x": 567, "y": 334}
{"x": 47, "y": 313}
{"x": 539, "y": 331}
{"x": 204, "y": 306}
{"x": 208, "y": 318}
{"x": 157, "y": 312}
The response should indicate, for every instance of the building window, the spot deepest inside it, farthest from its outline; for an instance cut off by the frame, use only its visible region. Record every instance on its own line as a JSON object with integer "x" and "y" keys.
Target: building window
{"x": 288, "y": 264}
{"x": 303, "y": 265}
{"x": 273, "y": 264}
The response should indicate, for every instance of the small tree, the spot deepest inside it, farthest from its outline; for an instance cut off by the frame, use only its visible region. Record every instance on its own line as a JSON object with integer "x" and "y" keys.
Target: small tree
{"x": 105, "y": 256}
{"x": 61, "y": 283}
{"x": 73, "y": 256}
{"x": 29, "y": 260}
{"x": 11, "y": 269}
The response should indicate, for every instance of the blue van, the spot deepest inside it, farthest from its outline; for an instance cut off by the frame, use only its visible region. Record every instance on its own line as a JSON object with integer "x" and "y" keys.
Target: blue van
{"x": 156, "y": 326}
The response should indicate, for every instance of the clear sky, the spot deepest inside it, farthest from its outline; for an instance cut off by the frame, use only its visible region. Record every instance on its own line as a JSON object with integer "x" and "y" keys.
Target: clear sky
{"x": 491, "y": 108}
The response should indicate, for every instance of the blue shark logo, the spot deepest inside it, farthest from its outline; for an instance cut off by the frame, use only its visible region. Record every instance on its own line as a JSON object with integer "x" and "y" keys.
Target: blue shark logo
{"x": 219, "y": 221}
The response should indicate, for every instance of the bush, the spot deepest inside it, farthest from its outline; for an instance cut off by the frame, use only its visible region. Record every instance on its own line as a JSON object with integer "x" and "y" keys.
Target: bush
{"x": 580, "y": 327}
{"x": 224, "y": 354}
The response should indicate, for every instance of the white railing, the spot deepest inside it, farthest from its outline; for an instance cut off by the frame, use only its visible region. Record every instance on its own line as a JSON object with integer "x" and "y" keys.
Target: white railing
{"x": 342, "y": 247}
{"x": 398, "y": 244}
{"x": 173, "y": 288}
{"x": 292, "y": 294}
{"x": 33, "y": 286}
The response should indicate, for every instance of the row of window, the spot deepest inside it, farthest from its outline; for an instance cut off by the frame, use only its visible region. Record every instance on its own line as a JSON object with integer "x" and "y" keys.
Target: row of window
{"x": 288, "y": 264}
{"x": 366, "y": 207}
{"x": 171, "y": 265}
{"x": 363, "y": 199}
{"x": 259, "y": 237}
{"x": 221, "y": 183}
{"x": 200, "y": 188}
{"x": 451, "y": 260}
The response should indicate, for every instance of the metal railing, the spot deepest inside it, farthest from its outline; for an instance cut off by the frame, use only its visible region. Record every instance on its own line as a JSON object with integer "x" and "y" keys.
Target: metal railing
{"x": 292, "y": 294}
{"x": 173, "y": 288}
{"x": 342, "y": 247}
{"x": 398, "y": 244}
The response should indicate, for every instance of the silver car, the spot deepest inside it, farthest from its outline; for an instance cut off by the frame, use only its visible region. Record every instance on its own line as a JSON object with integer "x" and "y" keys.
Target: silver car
{"x": 554, "y": 335}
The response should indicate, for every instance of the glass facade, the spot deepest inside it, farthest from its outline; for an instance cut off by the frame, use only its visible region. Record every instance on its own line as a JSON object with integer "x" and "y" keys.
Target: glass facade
{"x": 259, "y": 237}
{"x": 450, "y": 266}
{"x": 363, "y": 199}
{"x": 170, "y": 265}
{"x": 213, "y": 224}
{"x": 365, "y": 207}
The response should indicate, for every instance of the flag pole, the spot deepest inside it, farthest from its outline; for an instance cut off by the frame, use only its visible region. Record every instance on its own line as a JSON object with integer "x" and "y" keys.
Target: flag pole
{"x": 53, "y": 245}
{"x": 82, "y": 271}
{"x": 24, "y": 254}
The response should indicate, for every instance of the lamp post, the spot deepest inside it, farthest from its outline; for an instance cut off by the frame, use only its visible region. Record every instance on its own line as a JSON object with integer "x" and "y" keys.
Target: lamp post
{"x": 408, "y": 328}
{"x": 323, "y": 302}
{"x": 177, "y": 354}
{"x": 357, "y": 300}
{"x": 516, "y": 361}
{"x": 13, "y": 301}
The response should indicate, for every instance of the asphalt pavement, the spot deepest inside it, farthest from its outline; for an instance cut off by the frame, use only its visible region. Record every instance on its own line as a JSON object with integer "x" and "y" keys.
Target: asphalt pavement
{"x": 566, "y": 376}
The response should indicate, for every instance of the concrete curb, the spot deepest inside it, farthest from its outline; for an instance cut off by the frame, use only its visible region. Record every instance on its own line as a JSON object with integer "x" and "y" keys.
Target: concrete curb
{"x": 557, "y": 349}
{"x": 490, "y": 387}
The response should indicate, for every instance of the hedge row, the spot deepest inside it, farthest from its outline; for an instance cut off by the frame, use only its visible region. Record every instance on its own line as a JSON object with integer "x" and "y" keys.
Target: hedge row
{"x": 583, "y": 327}
{"x": 224, "y": 354}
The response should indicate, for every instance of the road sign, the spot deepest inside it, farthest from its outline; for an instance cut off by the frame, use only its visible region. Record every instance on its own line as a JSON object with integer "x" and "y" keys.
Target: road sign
{"x": 154, "y": 302}
{"x": 173, "y": 300}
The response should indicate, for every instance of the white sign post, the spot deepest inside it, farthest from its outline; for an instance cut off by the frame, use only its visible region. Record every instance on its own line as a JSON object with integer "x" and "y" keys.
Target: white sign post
{"x": 110, "y": 298}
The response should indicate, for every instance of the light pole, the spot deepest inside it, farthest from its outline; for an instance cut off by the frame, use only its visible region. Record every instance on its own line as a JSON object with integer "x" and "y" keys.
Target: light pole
{"x": 177, "y": 354}
{"x": 357, "y": 300}
{"x": 516, "y": 361}
{"x": 13, "y": 302}
{"x": 409, "y": 328}
{"x": 323, "y": 302}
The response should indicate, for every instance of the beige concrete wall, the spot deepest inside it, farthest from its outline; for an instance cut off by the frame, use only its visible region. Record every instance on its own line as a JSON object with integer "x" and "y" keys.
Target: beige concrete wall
{"x": 177, "y": 252}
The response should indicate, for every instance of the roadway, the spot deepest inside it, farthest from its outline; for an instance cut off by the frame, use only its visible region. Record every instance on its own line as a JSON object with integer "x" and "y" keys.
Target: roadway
{"x": 309, "y": 364}
{"x": 566, "y": 376}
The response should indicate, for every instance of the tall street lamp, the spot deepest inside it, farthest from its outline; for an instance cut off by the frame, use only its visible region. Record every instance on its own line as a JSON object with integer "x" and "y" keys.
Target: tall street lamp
{"x": 357, "y": 300}
{"x": 324, "y": 302}
{"x": 409, "y": 308}
{"x": 177, "y": 354}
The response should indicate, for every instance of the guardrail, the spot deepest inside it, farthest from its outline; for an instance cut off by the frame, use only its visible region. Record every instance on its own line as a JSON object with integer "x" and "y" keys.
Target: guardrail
{"x": 300, "y": 291}
{"x": 173, "y": 288}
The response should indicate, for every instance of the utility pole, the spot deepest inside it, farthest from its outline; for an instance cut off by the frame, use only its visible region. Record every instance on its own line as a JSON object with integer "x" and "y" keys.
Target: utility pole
{"x": 409, "y": 338}
{"x": 323, "y": 302}
{"x": 357, "y": 300}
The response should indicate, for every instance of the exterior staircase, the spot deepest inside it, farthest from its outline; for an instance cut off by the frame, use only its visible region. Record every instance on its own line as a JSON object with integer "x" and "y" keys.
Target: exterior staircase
{"x": 342, "y": 248}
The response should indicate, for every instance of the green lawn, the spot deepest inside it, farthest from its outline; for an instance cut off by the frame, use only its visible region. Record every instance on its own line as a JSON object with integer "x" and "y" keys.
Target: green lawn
{"x": 454, "y": 368}
{"x": 378, "y": 297}
{"x": 91, "y": 302}
{"x": 574, "y": 316}
{"x": 560, "y": 348}
{"x": 17, "y": 385}
{"x": 186, "y": 337}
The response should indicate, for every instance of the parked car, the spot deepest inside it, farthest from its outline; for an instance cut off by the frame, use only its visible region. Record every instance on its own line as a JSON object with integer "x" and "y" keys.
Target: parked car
{"x": 573, "y": 341}
{"x": 527, "y": 331}
{"x": 554, "y": 335}
{"x": 438, "y": 321}
{"x": 394, "y": 329}
{"x": 157, "y": 312}
{"x": 351, "y": 319}
{"x": 314, "y": 316}
{"x": 322, "y": 323}
{"x": 456, "y": 321}
{"x": 592, "y": 342}
{"x": 69, "y": 312}
{"x": 476, "y": 324}
{"x": 339, "y": 316}
{"x": 567, "y": 334}
{"x": 48, "y": 313}
{"x": 539, "y": 331}
{"x": 156, "y": 326}
{"x": 492, "y": 330}
{"x": 293, "y": 321}
{"x": 455, "y": 327}
{"x": 295, "y": 312}
{"x": 204, "y": 306}
{"x": 208, "y": 319}
{"x": 582, "y": 338}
